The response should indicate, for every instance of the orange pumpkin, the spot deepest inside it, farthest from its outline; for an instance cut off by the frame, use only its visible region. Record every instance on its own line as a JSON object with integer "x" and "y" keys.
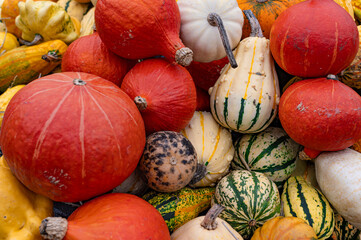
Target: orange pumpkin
{"x": 285, "y": 228}
{"x": 266, "y": 12}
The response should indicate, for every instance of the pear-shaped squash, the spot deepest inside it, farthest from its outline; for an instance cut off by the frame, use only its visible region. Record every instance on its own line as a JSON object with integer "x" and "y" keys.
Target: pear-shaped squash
{"x": 245, "y": 99}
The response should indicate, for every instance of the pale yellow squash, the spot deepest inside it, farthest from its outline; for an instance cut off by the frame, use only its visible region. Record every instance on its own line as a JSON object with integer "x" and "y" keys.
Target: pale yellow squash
{"x": 74, "y": 8}
{"x": 7, "y": 42}
{"x": 88, "y": 23}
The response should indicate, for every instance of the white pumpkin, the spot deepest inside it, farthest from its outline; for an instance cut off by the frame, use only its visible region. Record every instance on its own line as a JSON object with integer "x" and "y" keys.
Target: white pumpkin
{"x": 213, "y": 145}
{"x": 208, "y": 227}
{"x": 205, "y": 39}
{"x": 339, "y": 177}
{"x": 245, "y": 99}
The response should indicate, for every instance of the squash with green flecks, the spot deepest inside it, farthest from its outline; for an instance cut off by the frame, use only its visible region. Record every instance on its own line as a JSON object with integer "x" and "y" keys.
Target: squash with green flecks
{"x": 344, "y": 230}
{"x": 181, "y": 206}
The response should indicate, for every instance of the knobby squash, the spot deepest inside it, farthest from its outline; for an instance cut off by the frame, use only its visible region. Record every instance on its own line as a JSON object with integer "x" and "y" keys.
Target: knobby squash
{"x": 88, "y": 136}
{"x": 245, "y": 99}
{"x": 23, "y": 64}
{"x": 21, "y": 210}
{"x": 74, "y": 8}
{"x": 5, "y": 99}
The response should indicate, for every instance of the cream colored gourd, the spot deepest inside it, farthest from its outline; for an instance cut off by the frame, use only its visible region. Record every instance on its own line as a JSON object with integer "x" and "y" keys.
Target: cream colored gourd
{"x": 245, "y": 99}
{"x": 88, "y": 23}
{"x": 339, "y": 177}
{"x": 199, "y": 32}
{"x": 74, "y": 8}
{"x": 213, "y": 145}
{"x": 208, "y": 227}
{"x": 134, "y": 184}
{"x": 306, "y": 169}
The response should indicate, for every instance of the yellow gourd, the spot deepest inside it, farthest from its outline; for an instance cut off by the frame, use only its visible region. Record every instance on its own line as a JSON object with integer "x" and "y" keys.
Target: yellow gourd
{"x": 88, "y": 23}
{"x": 74, "y": 8}
{"x": 21, "y": 210}
{"x": 7, "y": 42}
{"x": 5, "y": 99}
{"x": 356, "y": 5}
{"x": 347, "y": 5}
{"x": 47, "y": 19}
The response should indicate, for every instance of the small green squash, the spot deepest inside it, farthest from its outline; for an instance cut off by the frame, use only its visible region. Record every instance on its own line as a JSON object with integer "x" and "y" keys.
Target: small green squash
{"x": 271, "y": 152}
{"x": 181, "y": 206}
{"x": 249, "y": 198}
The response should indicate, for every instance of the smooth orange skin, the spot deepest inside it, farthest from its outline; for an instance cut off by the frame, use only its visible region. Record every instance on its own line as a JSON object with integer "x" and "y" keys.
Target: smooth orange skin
{"x": 117, "y": 216}
{"x": 68, "y": 142}
{"x": 321, "y": 114}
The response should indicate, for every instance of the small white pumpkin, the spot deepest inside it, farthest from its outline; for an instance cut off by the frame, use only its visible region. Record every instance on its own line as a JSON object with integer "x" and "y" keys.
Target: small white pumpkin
{"x": 213, "y": 145}
{"x": 208, "y": 227}
{"x": 339, "y": 177}
{"x": 245, "y": 99}
{"x": 199, "y": 31}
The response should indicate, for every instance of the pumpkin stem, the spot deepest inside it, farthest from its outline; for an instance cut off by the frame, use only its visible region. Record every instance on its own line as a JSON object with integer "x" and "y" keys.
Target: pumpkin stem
{"x": 215, "y": 20}
{"x": 308, "y": 154}
{"x": 332, "y": 77}
{"x": 184, "y": 56}
{"x": 209, "y": 221}
{"x": 35, "y": 41}
{"x": 200, "y": 173}
{"x": 78, "y": 82}
{"x": 53, "y": 228}
{"x": 252, "y": 223}
{"x": 52, "y": 56}
{"x": 141, "y": 103}
{"x": 256, "y": 30}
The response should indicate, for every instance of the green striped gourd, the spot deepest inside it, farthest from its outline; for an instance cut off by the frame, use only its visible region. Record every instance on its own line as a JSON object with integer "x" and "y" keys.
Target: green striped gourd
{"x": 245, "y": 98}
{"x": 271, "y": 152}
{"x": 344, "y": 230}
{"x": 249, "y": 198}
{"x": 213, "y": 145}
{"x": 181, "y": 206}
{"x": 300, "y": 199}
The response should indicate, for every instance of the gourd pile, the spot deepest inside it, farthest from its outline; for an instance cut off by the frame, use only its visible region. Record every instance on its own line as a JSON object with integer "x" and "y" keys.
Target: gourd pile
{"x": 182, "y": 120}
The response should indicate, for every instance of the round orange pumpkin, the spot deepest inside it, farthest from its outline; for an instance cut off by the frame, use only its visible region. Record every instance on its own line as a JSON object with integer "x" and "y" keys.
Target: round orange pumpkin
{"x": 72, "y": 136}
{"x": 285, "y": 228}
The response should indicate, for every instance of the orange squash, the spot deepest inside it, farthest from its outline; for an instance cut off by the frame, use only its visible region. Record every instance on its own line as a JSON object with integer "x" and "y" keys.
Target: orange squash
{"x": 285, "y": 228}
{"x": 266, "y": 12}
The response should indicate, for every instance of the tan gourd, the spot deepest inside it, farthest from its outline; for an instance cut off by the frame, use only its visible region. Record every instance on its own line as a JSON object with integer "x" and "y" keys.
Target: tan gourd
{"x": 88, "y": 23}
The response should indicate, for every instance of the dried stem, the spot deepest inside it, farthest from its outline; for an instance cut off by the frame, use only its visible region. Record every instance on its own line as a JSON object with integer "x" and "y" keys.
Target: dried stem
{"x": 256, "y": 30}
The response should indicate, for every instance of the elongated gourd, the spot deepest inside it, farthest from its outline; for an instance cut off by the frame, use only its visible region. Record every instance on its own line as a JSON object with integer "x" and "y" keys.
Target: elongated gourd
{"x": 24, "y": 64}
{"x": 245, "y": 99}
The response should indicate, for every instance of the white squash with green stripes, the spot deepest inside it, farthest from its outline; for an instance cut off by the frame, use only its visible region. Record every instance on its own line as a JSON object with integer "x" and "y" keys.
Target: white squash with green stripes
{"x": 300, "y": 199}
{"x": 245, "y": 99}
{"x": 213, "y": 145}
{"x": 271, "y": 152}
{"x": 249, "y": 199}
{"x": 74, "y": 8}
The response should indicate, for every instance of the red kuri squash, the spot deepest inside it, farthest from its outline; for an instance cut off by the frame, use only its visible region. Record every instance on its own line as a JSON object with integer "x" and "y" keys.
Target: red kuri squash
{"x": 89, "y": 54}
{"x": 142, "y": 28}
{"x": 164, "y": 93}
{"x": 71, "y": 136}
{"x": 203, "y": 100}
{"x": 321, "y": 114}
{"x": 115, "y": 216}
{"x": 314, "y": 38}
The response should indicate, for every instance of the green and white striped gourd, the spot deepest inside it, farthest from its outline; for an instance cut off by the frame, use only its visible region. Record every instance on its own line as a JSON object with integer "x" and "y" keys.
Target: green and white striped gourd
{"x": 213, "y": 145}
{"x": 271, "y": 152}
{"x": 344, "y": 230}
{"x": 300, "y": 199}
{"x": 245, "y": 98}
{"x": 249, "y": 198}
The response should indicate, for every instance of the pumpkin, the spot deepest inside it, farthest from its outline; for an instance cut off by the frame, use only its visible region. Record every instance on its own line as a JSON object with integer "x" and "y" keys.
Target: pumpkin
{"x": 21, "y": 210}
{"x": 327, "y": 40}
{"x": 213, "y": 145}
{"x": 119, "y": 215}
{"x": 88, "y": 137}
{"x": 7, "y": 42}
{"x": 5, "y": 99}
{"x": 47, "y": 19}
{"x": 339, "y": 176}
{"x": 74, "y": 8}
{"x": 285, "y": 228}
{"x": 266, "y": 12}
{"x": 89, "y": 54}
{"x": 23, "y": 64}
{"x": 163, "y": 92}
{"x": 169, "y": 161}
{"x": 271, "y": 152}
{"x": 199, "y": 19}
{"x": 88, "y": 23}
{"x": 207, "y": 227}
{"x": 180, "y": 206}
{"x": 321, "y": 114}
{"x": 344, "y": 230}
{"x": 249, "y": 198}
{"x": 302, "y": 200}
{"x": 141, "y": 29}
{"x": 245, "y": 99}
{"x": 202, "y": 100}
{"x": 205, "y": 75}
{"x": 134, "y": 184}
